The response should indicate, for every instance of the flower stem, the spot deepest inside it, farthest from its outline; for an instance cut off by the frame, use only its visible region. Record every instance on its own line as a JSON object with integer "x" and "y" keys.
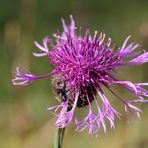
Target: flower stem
{"x": 59, "y": 134}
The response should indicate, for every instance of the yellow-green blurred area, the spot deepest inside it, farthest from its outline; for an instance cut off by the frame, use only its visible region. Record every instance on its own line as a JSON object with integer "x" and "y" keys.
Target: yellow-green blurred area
{"x": 24, "y": 119}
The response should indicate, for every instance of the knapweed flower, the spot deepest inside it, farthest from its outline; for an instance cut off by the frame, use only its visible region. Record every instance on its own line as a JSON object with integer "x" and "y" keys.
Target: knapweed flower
{"x": 83, "y": 66}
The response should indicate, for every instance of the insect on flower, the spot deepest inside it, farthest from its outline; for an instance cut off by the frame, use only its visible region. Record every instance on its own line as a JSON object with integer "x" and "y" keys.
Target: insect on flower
{"x": 83, "y": 66}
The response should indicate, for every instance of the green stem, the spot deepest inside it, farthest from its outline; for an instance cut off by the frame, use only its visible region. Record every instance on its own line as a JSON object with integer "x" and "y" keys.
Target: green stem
{"x": 59, "y": 134}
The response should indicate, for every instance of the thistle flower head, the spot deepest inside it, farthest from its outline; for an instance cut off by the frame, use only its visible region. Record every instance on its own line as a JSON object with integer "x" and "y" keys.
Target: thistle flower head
{"x": 83, "y": 65}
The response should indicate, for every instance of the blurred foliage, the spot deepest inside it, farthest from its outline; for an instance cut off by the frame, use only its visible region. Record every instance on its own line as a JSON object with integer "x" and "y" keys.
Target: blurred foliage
{"x": 24, "y": 120}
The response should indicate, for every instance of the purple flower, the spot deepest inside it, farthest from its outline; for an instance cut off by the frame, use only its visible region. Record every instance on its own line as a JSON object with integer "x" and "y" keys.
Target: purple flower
{"x": 83, "y": 67}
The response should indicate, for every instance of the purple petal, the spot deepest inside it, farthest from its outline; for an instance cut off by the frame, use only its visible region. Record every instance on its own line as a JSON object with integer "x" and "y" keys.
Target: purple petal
{"x": 43, "y": 48}
{"x": 125, "y": 42}
{"x": 141, "y": 59}
{"x": 27, "y": 78}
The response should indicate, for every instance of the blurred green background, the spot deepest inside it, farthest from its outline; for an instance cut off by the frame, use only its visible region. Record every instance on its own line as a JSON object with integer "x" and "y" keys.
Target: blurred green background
{"x": 24, "y": 120}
